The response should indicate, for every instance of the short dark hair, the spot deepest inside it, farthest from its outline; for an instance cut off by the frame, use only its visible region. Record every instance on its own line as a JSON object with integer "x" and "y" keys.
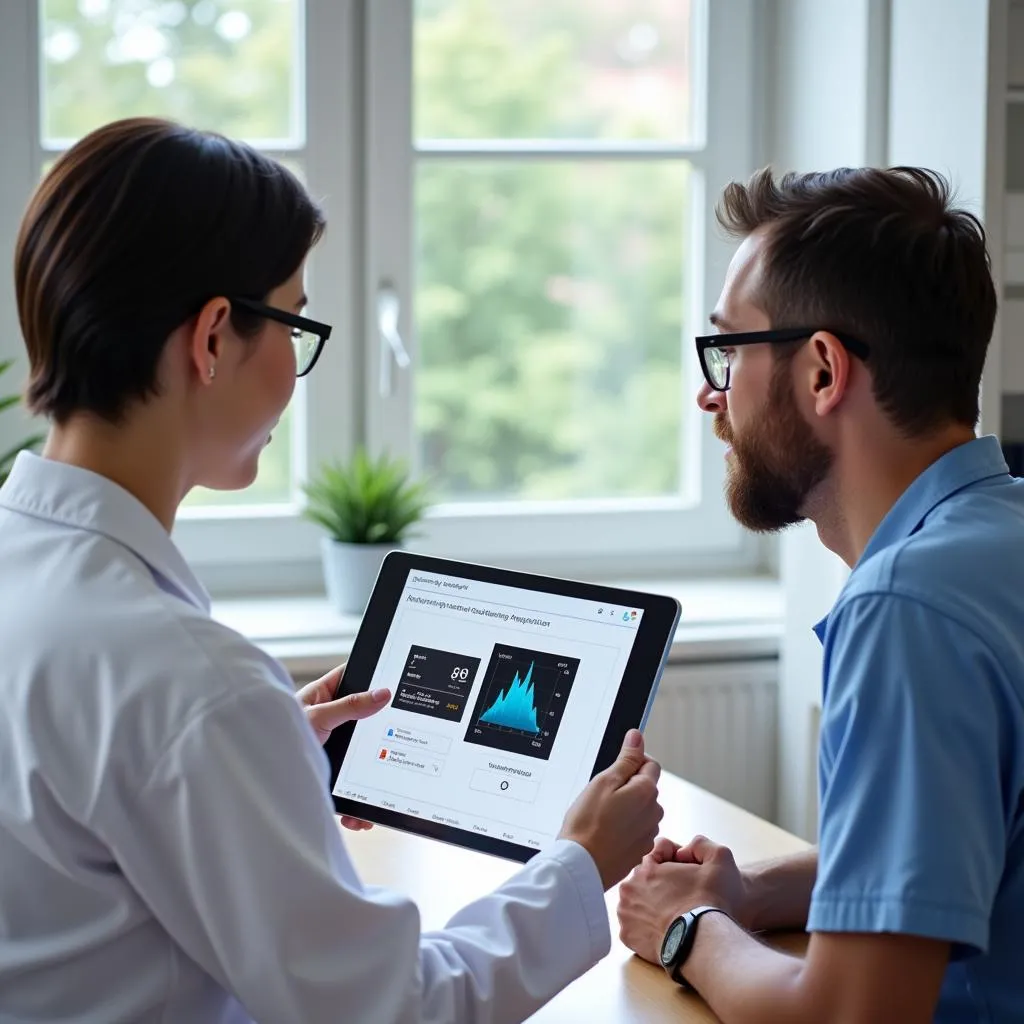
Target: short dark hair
{"x": 135, "y": 228}
{"x": 883, "y": 255}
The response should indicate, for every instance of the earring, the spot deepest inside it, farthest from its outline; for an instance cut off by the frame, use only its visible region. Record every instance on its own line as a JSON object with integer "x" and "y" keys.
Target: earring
{"x": 213, "y": 372}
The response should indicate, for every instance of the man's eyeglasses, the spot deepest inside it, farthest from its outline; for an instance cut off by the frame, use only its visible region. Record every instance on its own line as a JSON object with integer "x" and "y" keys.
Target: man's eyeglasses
{"x": 308, "y": 336}
{"x": 713, "y": 349}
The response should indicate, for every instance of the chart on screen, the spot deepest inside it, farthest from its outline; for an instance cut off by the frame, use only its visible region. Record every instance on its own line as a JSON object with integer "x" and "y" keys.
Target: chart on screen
{"x": 519, "y": 708}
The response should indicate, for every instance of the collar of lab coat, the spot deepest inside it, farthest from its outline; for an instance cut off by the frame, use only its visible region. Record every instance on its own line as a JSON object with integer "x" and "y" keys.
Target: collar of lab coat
{"x": 83, "y": 500}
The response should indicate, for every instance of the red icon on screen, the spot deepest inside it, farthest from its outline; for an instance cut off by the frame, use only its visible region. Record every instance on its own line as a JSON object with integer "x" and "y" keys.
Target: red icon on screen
{"x": 383, "y": 754}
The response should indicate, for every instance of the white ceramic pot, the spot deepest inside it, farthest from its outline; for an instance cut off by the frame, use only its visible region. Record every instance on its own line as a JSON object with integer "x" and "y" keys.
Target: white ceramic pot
{"x": 350, "y": 571}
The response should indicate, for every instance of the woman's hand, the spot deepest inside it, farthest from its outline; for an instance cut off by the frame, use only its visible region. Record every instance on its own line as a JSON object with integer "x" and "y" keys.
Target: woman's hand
{"x": 325, "y": 714}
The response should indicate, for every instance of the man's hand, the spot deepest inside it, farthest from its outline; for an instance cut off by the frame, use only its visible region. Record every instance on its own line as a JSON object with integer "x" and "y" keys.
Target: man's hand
{"x": 698, "y": 874}
{"x": 615, "y": 819}
{"x": 664, "y": 850}
{"x": 325, "y": 714}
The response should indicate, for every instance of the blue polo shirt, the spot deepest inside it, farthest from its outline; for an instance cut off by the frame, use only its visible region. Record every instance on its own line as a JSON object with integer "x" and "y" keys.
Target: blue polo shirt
{"x": 921, "y": 759}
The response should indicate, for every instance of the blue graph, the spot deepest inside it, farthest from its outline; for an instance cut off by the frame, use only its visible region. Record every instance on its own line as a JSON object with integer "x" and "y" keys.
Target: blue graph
{"x": 520, "y": 706}
{"x": 515, "y": 708}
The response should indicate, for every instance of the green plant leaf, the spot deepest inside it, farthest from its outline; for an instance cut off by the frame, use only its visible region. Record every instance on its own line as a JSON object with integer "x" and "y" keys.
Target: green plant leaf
{"x": 366, "y": 500}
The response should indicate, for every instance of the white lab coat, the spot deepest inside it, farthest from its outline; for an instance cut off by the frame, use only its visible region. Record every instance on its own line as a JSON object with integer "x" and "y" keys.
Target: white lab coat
{"x": 168, "y": 848}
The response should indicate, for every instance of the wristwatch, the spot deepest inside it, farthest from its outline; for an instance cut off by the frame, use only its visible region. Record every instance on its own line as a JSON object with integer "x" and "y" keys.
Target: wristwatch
{"x": 678, "y": 942}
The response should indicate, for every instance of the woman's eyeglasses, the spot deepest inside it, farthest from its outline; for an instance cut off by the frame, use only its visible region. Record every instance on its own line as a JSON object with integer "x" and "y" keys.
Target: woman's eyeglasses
{"x": 713, "y": 349}
{"x": 308, "y": 336}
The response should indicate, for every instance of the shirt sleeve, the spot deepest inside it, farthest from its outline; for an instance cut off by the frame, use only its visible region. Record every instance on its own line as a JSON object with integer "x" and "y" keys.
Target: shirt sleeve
{"x": 913, "y": 819}
{"x": 233, "y": 844}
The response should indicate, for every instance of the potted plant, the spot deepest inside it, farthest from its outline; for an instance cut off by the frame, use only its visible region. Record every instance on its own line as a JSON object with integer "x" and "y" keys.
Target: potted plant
{"x": 367, "y": 506}
{"x": 7, "y": 458}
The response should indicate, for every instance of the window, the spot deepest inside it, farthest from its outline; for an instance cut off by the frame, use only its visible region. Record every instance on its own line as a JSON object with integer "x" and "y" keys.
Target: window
{"x": 549, "y": 281}
{"x": 526, "y": 185}
{"x": 540, "y": 184}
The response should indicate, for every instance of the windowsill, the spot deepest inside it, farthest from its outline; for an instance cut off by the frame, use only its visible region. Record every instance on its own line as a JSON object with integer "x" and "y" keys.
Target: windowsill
{"x": 722, "y": 619}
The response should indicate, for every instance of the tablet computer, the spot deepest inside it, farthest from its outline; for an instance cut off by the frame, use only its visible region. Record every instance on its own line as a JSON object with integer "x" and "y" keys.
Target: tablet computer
{"x": 509, "y": 691}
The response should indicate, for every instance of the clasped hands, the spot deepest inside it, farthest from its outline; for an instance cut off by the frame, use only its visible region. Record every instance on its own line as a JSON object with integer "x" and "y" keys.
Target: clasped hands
{"x": 672, "y": 879}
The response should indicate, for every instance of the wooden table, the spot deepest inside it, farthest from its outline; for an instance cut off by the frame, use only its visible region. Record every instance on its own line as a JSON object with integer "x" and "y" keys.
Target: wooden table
{"x": 622, "y": 987}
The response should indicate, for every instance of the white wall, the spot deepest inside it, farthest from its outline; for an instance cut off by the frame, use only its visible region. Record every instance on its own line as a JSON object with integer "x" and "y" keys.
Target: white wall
{"x": 826, "y": 108}
{"x": 812, "y": 578}
{"x": 938, "y": 89}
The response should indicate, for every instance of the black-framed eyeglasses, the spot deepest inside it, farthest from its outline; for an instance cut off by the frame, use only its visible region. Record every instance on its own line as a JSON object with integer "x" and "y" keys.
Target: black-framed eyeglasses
{"x": 713, "y": 349}
{"x": 308, "y": 336}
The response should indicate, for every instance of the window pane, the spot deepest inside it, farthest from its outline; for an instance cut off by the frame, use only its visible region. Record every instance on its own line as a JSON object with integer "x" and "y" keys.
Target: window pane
{"x": 589, "y": 69}
{"x": 550, "y": 302}
{"x": 226, "y": 65}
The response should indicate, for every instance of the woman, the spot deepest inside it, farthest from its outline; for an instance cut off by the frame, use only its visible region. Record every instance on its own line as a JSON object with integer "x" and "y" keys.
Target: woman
{"x": 168, "y": 845}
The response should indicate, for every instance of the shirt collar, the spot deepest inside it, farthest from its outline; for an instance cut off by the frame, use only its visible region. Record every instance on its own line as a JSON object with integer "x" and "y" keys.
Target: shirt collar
{"x": 81, "y": 499}
{"x": 964, "y": 465}
{"x": 961, "y": 467}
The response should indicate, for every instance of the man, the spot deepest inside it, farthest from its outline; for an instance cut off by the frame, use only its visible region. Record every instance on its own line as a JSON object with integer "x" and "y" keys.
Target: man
{"x": 857, "y": 411}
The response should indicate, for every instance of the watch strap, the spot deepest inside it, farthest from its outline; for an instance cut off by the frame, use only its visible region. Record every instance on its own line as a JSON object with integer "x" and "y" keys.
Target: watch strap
{"x": 686, "y": 945}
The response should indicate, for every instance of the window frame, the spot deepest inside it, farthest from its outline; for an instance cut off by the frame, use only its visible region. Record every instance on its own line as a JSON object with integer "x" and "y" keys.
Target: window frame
{"x": 667, "y": 531}
{"x": 358, "y": 160}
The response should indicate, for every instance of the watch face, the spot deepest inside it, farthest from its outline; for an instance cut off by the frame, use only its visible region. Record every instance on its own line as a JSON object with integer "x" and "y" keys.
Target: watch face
{"x": 670, "y": 946}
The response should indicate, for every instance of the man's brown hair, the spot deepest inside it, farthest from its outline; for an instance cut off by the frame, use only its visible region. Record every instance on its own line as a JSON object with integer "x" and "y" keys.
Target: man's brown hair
{"x": 885, "y": 256}
{"x": 134, "y": 229}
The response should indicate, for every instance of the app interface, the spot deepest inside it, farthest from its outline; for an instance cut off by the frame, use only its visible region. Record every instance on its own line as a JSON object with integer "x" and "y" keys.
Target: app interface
{"x": 500, "y": 699}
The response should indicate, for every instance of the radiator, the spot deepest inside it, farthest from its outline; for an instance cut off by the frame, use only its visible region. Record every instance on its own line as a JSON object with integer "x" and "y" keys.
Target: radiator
{"x": 716, "y": 725}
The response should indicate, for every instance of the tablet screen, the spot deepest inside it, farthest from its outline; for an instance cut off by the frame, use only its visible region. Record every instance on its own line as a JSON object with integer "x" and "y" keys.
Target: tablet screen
{"x": 500, "y": 700}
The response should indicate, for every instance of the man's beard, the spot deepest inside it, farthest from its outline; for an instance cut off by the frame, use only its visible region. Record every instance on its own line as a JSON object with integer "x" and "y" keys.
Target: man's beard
{"x": 776, "y": 463}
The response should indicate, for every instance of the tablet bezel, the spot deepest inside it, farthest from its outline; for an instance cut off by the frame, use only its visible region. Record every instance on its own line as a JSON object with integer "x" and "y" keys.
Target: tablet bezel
{"x": 632, "y": 705}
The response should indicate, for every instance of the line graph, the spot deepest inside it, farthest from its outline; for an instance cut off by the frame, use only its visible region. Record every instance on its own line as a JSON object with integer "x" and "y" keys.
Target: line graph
{"x": 519, "y": 708}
